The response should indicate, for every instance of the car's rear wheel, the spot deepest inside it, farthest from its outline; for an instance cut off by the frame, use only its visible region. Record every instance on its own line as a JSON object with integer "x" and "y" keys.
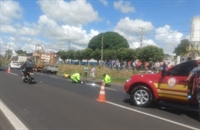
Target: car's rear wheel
{"x": 141, "y": 96}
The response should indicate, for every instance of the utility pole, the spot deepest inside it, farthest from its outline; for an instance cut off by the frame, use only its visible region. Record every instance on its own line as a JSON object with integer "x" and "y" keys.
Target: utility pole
{"x": 68, "y": 45}
{"x": 141, "y": 39}
{"x": 102, "y": 50}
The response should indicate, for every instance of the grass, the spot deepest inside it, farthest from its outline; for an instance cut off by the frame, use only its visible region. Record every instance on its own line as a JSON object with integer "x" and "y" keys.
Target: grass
{"x": 117, "y": 76}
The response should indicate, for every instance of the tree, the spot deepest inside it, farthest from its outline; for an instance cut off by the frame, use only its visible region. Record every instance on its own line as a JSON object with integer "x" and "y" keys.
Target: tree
{"x": 111, "y": 41}
{"x": 87, "y": 54}
{"x": 150, "y": 53}
{"x": 109, "y": 55}
{"x": 63, "y": 55}
{"x": 8, "y": 54}
{"x": 96, "y": 55}
{"x": 20, "y": 52}
{"x": 79, "y": 55}
{"x": 181, "y": 49}
{"x": 71, "y": 55}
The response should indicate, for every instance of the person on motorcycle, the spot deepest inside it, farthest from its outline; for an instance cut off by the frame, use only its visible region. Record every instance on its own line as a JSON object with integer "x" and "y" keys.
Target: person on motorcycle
{"x": 25, "y": 68}
{"x": 107, "y": 80}
{"x": 76, "y": 78}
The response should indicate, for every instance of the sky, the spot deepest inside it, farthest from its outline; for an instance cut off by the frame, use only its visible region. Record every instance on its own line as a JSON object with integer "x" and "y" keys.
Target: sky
{"x": 62, "y": 24}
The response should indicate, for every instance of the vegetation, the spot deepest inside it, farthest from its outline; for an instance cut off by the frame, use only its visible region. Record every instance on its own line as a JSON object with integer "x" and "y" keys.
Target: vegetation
{"x": 181, "y": 49}
{"x": 118, "y": 76}
{"x": 111, "y": 41}
{"x": 150, "y": 53}
{"x": 21, "y": 52}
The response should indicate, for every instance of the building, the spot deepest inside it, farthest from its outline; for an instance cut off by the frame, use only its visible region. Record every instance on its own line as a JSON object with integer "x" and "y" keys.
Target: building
{"x": 194, "y": 47}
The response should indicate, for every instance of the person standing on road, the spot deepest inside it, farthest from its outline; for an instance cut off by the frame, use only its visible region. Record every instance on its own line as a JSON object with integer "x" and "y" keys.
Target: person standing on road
{"x": 107, "y": 80}
{"x": 196, "y": 71}
{"x": 85, "y": 71}
{"x": 92, "y": 73}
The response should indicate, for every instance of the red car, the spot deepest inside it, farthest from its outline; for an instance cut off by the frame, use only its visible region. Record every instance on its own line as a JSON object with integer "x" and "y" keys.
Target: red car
{"x": 170, "y": 86}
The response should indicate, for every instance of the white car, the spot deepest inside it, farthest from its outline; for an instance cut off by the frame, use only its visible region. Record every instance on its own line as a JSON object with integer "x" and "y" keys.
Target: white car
{"x": 15, "y": 65}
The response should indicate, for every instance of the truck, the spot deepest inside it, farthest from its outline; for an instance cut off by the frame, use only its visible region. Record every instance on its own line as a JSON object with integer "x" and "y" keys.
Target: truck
{"x": 21, "y": 59}
{"x": 50, "y": 69}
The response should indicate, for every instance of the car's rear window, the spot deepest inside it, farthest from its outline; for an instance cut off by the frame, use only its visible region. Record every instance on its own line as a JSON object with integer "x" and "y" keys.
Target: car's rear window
{"x": 15, "y": 63}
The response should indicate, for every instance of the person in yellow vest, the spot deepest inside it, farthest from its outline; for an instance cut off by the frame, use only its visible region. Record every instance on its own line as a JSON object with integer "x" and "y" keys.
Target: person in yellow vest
{"x": 76, "y": 78}
{"x": 107, "y": 80}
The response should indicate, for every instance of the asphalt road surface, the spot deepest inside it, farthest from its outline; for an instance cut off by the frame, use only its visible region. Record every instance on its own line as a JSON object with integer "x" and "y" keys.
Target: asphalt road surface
{"x": 54, "y": 103}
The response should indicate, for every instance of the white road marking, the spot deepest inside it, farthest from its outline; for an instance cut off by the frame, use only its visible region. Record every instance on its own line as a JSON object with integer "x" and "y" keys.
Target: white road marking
{"x": 108, "y": 88}
{"x": 14, "y": 74}
{"x": 154, "y": 116}
{"x": 54, "y": 77}
{"x": 39, "y": 74}
{"x": 17, "y": 124}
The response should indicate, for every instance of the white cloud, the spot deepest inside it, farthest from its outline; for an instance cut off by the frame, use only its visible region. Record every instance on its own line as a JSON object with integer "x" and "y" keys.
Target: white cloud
{"x": 8, "y": 29}
{"x": 124, "y": 7}
{"x": 65, "y": 33}
{"x": 10, "y": 10}
{"x": 132, "y": 26}
{"x": 131, "y": 31}
{"x": 75, "y": 12}
{"x": 105, "y": 2}
{"x": 168, "y": 38}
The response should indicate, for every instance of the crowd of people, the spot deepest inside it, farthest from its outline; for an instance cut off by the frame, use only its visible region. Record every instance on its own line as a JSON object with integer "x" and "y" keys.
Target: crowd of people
{"x": 137, "y": 65}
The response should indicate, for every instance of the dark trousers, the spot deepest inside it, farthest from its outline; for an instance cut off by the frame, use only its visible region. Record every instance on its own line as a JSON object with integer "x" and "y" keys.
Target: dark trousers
{"x": 85, "y": 74}
{"x": 198, "y": 99}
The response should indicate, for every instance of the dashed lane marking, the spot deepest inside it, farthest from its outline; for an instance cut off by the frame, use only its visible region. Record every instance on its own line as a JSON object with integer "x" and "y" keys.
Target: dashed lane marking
{"x": 17, "y": 124}
{"x": 14, "y": 74}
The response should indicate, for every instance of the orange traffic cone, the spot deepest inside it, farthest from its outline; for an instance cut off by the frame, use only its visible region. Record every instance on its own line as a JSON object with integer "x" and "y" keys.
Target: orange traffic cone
{"x": 8, "y": 69}
{"x": 102, "y": 97}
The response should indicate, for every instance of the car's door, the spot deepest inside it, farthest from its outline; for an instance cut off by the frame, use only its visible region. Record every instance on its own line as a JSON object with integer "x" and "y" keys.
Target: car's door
{"x": 171, "y": 86}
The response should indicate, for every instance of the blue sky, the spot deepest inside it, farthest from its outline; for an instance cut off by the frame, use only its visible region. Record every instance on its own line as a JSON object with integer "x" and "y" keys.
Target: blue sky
{"x": 54, "y": 24}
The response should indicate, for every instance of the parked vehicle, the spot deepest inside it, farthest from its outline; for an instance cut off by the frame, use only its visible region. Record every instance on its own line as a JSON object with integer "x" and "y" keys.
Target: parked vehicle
{"x": 50, "y": 69}
{"x": 169, "y": 86}
{"x": 15, "y": 65}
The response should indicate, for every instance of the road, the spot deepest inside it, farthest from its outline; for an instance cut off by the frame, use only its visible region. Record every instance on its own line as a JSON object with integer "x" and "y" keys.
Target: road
{"x": 54, "y": 103}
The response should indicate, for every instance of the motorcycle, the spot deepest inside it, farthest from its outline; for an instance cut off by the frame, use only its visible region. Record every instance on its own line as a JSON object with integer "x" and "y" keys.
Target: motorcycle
{"x": 29, "y": 77}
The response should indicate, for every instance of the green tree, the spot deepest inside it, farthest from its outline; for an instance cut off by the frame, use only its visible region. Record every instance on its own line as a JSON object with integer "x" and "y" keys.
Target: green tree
{"x": 150, "y": 53}
{"x": 20, "y": 52}
{"x": 63, "y": 55}
{"x": 79, "y": 55}
{"x": 96, "y": 55}
{"x": 109, "y": 55}
{"x": 87, "y": 54}
{"x": 71, "y": 55}
{"x": 181, "y": 49}
{"x": 111, "y": 41}
{"x": 126, "y": 54}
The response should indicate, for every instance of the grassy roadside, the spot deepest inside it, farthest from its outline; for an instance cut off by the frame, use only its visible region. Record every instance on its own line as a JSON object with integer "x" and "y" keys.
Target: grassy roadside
{"x": 117, "y": 76}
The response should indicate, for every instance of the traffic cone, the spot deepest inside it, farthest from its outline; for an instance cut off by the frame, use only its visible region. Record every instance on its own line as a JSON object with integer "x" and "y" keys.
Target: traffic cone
{"x": 102, "y": 97}
{"x": 8, "y": 69}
